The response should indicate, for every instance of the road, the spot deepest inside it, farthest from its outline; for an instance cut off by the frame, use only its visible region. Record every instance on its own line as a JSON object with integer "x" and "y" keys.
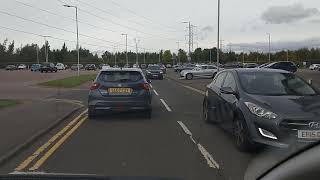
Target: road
{"x": 174, "y": 143}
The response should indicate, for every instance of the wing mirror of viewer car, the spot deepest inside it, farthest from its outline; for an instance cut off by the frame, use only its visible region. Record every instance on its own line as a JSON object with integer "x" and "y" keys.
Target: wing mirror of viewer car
{"x": 227, "y": 90}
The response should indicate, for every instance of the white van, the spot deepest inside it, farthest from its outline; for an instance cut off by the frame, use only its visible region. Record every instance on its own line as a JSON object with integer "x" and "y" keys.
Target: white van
{"x": 60, "y": 66}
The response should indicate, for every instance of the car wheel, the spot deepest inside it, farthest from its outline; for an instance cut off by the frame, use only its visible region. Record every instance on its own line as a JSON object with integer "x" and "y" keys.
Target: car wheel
{"x": 189, "y": 76}
{"x": 241, "y": 136}
{"x": 205, "y": 112}
{"x": 91, "y": 113}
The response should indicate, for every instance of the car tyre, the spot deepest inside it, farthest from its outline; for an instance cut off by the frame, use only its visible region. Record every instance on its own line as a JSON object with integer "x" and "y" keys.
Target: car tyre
{"x": 242, "y": 136}
{"x": 205, "y": 112}
{"x": 91, "y": 113}
{"x": 189, "y": 76}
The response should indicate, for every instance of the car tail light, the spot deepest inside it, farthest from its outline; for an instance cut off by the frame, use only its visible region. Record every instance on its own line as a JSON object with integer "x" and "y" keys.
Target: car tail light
{"x": 145, "y": 86}
{"x": 94, "y": 86}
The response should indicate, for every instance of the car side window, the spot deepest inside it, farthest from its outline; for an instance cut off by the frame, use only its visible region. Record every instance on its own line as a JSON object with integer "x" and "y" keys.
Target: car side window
{"x": 230, "y": 82}
{"x": 203, "y": 67}
{"x": 211, "y": 67}
{"x": 219, "y": 80}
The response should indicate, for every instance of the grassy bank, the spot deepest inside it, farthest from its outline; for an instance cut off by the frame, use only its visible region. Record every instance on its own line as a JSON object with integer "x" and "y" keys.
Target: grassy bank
{"x": 7, "y": 103}
{"x": 69, "y": 82}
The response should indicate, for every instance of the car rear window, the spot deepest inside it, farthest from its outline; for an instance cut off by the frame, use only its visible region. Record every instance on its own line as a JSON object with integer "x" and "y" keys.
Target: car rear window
{"x": 120, "y": 76}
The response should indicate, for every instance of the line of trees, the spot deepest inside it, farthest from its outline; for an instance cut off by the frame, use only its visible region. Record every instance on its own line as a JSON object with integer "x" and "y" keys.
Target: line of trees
{"x": 28, "y": 54}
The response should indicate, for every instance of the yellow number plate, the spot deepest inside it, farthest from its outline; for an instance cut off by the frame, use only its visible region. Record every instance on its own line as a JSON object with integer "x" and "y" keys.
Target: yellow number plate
{"x": 120, "y": 90}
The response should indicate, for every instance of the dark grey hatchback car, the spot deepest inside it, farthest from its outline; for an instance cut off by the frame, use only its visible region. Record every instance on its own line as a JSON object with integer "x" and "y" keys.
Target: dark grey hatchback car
{"x": 119, "y": 90}
{"x": 263, "y": 106}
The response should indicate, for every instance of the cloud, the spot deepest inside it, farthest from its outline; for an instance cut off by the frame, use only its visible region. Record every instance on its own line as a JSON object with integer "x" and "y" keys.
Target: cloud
{"x": 278, "y": 45}
{"x": 288, "y": 14}
{"x": 204, "y": 32}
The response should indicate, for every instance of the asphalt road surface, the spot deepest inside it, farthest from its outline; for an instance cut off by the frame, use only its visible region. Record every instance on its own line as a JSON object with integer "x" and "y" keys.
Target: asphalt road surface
{"x": 174, "y": 143}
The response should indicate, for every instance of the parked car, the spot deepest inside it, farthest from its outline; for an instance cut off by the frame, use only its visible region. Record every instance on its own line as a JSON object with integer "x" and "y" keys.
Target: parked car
{"x": 115, "y": 66}
{"x": 263, "y": 106}
{"x": 163, "y": 68}
{"x": 250, "y": 65}
{"x": 48, "y": 67}
{"x": 106, "y": 66}
{"x": 143, "y": 66}
{"x": 314, "y": 67}
{"x": 60, "y": 66}
{"x": 22, "y": 67}
{"x": 284, "y": 65}
{"x": 200, "y": 71}
{"x": 185, "y": 67}
{"x": 263, "y": 65}
{"x": 154, "y": 72}
{"x": 135, "y": 66}
{"x": 74, "y": 67}
{"x": 11, "y": 67}
{"x": 90, "y": 67}
{"x": 126, "y": 66}
{"x": 169, "y": 66}
{"x": 120, "y": 90}
{"x": 35, "y": 67}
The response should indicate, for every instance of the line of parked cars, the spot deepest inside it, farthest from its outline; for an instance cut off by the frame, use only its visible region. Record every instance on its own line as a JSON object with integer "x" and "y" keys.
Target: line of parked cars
{"x": 315, "y": 67}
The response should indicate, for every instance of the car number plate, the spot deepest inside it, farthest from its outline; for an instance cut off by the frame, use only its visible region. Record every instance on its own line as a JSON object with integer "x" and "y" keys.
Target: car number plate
{"x": 309, "y": 134}
{"x": 120, "y": 91}
{"x": 155, "y": 75}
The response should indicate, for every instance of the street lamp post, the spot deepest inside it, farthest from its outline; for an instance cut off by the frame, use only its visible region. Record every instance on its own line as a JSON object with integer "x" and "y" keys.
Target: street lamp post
{"x": 46, "y": 48}
{"x": 178, "y": 52}
{"x": 218, "y": 37}
{"x": 78, "y": 53}
{"x": 126, "y": 47}
{"x": 189, "y": 27}
{"x": 269, "y": 38}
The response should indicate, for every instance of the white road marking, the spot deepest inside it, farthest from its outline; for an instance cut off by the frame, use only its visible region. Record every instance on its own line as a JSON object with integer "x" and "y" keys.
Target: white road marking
{"x": 156, "y": 92}
{"x": 194, "y": 89}
{"x": 165, "y": 105}
{"x": 185, "y": 129}
{"x": 151, "y": 85}
{"x": 210, "y": 161}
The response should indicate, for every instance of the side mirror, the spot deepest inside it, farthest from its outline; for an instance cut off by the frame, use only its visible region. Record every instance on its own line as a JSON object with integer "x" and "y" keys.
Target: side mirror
{"x": 227, "y": 90}
{"x": 310, "y": 81}
{"x": 149, "y": 81}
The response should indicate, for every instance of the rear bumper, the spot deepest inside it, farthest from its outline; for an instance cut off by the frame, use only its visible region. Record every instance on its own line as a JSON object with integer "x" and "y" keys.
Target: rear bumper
{"x": 154, "y": 76}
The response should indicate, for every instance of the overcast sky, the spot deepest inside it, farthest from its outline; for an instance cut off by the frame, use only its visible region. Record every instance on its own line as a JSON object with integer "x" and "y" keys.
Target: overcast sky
{"x": 158, "y": 24}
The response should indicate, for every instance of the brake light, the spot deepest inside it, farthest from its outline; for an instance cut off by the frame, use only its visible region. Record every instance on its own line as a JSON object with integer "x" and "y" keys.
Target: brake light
{"x": 94, "y": 86}
{"x": 145, "y": 86}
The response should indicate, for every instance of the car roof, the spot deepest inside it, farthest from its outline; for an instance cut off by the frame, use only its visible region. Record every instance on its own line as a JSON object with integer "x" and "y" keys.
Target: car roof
{"x": 257, "y": 70}
{"x": 121, "y": 69}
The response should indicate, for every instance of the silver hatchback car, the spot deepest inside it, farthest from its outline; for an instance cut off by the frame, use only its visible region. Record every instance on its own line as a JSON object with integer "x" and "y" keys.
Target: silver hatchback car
{"x": 119, "y": 90}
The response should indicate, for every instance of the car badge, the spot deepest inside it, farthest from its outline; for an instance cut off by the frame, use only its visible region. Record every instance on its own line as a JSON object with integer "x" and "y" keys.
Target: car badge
{"x": 314, "y": 125}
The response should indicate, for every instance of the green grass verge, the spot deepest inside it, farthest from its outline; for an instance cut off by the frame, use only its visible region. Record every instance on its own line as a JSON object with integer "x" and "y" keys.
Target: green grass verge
{"x": 70, "y": 82}
{"x": 7, "y": 103}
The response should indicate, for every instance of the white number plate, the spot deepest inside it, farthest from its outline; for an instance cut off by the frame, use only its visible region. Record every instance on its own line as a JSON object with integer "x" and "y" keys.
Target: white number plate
{"x": 309, "y": 134}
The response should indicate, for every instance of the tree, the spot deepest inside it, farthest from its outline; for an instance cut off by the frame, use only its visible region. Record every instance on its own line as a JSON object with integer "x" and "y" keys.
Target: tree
{"x": 167, "y": 57}
{"x": 182, "y": 55}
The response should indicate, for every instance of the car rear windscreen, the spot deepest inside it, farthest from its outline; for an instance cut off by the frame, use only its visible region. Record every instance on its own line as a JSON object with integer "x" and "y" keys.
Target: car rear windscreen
{"x": 120, "y": 76}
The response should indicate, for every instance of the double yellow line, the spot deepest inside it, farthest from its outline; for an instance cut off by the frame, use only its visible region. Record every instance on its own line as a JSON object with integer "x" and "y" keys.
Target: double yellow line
{"x": 74, "y": 125}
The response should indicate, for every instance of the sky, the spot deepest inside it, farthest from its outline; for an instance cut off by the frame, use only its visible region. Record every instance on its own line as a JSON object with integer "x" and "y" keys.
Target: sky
{"x": 155, "y": 24}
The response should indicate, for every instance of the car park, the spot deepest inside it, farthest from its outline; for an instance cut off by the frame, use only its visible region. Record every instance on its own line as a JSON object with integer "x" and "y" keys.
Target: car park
{"x": 154, "y": 72}
{"x": 263, "y": 106}
{"x": 199, "y": 71}
{"x": 169, "y": 66}
{"x": 119, "y": 90}
{"x": 90, "y": 67}
{"x": 284, "y": 65}
{"x": 106, "y": 66}
{"x": 143, "y": 66}
{"x": 115, "y": 66}
{"x": 35, "y": 67}
{"x": 135, "y": 66}
{"x": 60, "y": 66}
{"x": 48, "y": 67}
{"x": 11, "y": 67}
{"x": 75, "y": 67}
{"x": 314, "y": 67}
{"x": 126, "y": 66}
{"x": 22, "y": 67}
